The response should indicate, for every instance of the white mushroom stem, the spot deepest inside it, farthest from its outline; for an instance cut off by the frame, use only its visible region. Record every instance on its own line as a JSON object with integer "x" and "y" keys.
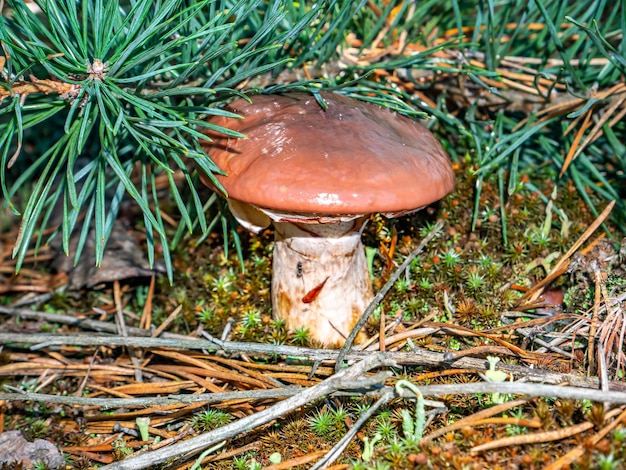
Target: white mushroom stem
{"x": 320, "y": 278}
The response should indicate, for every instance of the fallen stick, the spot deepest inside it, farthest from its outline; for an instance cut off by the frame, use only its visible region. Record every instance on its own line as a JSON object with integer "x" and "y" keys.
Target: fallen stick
{"x": 511, "y": 388}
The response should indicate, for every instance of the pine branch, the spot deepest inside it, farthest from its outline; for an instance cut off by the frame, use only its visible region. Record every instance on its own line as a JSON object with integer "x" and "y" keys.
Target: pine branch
{"x": 127, "y": 86}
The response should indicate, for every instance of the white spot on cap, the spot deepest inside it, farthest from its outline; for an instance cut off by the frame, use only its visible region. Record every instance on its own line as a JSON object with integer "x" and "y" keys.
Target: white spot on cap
{"x": 327, "y": 199}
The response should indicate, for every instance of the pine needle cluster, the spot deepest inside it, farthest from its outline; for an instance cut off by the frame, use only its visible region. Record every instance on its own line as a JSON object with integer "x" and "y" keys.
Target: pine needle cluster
{"x": 101, "y": 99}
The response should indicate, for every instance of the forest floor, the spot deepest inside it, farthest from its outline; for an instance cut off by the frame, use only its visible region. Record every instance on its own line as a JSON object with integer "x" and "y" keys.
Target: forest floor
{"x": 499, "y": 346}
{"x": 524, "y": 330}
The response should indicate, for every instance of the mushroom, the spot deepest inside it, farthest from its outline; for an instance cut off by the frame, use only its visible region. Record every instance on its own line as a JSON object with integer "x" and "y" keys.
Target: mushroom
{"x": 317, "y": 175}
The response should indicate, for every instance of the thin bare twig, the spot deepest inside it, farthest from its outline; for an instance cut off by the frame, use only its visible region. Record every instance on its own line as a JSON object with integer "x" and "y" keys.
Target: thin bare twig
{"x": 382, "y": 293}
{"x": 110, "y": 403}
{"x": 79, "y": 322}
{"x": 510, "y": 388}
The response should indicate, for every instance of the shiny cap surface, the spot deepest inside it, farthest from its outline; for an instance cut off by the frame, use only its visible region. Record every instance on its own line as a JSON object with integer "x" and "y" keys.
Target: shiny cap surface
{"x": 352, "y": 158}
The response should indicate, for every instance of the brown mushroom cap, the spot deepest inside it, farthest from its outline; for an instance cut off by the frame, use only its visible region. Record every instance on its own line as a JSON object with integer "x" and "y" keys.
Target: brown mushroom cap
{"x": 352, "y": 158}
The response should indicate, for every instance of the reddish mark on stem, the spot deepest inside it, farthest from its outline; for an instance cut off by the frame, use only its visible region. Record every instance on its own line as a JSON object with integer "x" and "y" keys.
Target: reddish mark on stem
{"x": 313, "y": 293}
